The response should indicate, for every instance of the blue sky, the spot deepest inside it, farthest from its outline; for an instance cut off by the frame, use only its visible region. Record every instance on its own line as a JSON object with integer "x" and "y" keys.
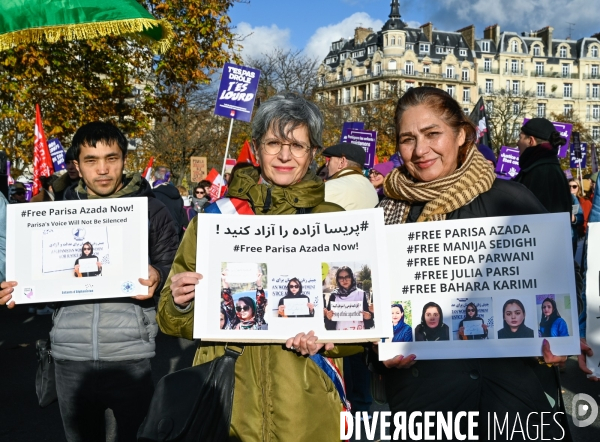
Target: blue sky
{"x": 312, "y": 24}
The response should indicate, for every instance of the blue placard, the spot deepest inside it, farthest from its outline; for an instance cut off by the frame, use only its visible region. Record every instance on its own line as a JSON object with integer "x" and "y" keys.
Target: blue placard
{"x": 348, "y": 127}
{"x": 57, "y": 152}
{"x": 237, "y": 92}
{"x": 577, "y": 162}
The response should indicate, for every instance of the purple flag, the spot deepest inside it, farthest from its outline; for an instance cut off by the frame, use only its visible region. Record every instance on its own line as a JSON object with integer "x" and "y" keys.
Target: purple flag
{"x": 568, "y": 174}
{"x": 237, "y": 92}
{"x": 367, "y": 139}
{"x": 507, "y": 166}
{"x": 57, "y": 152}
{"x": 349, "y": 126}
{"x": 565, "y": 130}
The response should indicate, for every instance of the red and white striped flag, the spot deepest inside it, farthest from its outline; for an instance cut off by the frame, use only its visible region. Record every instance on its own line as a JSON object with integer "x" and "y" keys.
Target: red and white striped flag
{"x": 42, "y": 162}
{"x": 148, "y": 170}
{"x": 216, "y": 180}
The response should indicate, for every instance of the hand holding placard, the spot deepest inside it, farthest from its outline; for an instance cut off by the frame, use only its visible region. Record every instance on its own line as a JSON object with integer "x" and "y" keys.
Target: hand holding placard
{"x": 183, "y": 287}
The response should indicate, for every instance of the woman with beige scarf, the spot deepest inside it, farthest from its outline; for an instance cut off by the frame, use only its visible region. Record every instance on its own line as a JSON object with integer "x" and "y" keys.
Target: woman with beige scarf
{"x": 445, "y": 177}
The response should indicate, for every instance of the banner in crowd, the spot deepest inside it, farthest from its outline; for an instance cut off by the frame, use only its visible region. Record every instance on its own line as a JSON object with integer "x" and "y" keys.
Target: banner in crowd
{"x": 565, "y": 130}
{"x": 507, "y": 166}
{"x": 349, "y": 126}
{"x": 42, "y": 164}
{"x": 367, "y": 139}
{"x": 268, "y": 278}
{"x": 578, "y": 157}
{"x": 57, "y": 152}
{"x": 77, "y": 250}
{"x": 198, "y": 169}
{"x": 479, "y": 118}
{"x": 476, "y": 288}
{"x": 237, "y": 92}
{"x": 593, "y": 299}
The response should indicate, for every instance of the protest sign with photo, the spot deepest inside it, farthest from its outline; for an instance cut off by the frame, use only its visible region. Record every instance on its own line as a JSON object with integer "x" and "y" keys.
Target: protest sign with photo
{"x": 267, "y": 278}
{"x": 483, "y": 281}
{"x": 592, "y": 293}
{"x": 77, "y": 250}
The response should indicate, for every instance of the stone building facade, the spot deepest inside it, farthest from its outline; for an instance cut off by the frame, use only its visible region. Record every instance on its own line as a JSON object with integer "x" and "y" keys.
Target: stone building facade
{"x": 562, "y": 76}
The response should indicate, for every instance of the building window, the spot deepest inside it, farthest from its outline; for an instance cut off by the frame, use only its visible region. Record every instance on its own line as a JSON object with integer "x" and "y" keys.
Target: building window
{"x": 339, "y": 75}
{"x": 451, "y": 90}
{"x": 487, "y": 65}
{"x": 514, "y": 66}
{"x": 393, "y": 41}
{"x": 515, "y": 87}
{"x": 594, "y": 71}
{"x": 516, "y": 130}
{"x": 594, "y": 51}
{"x": 410, "y": 85}
{"x": 348, "y": 75}
{"x": 463, "y": 52}
{"x": 536, "y": 51}
{"x": 562, "y": 52}
{"x": 343, "y": 56}
{"x": 568, "y": 110}
{"x": 539, "y": 68}
{"x": 596, "y": 112}
{"x": 370, "y": 50}
{"x": 541, "y": 89}
{"x": 377, "y": 70}
{"x": 392, "y": 65}
{"x": 426, "y": 69}
{"x": 410, "y": 47}
{"x": 321, "y": 80}
{"x": 568, "y": 90}
{"x": 465, "y": 75}
{"x": 485, "y": 46}
{"x": 566, "y": 69}
{"x": 467, "y": 95}
{"x": 595, "y": 132}
{"x": 595, "y": 90}
{"x": 376, "y": 91}
{"x": 516, "y": 108}
{"x": 424, "y": 48}
{"x": 409, "y": 68}
{"x": 541, "y": 110}
{"x": 449, "y": 71}
{"x": 489, "y": 86}
{"x": 358, "y": 54}
{"x": 346, "y": 99}
{"x": 515, "y": 46}
{"x": 489, "y": 107}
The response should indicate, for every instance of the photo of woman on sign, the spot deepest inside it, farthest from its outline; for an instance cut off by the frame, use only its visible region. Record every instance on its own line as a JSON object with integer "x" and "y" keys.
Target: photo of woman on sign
{"x": 552, "y": 325}
{"x": 513, "y": 314}
{"x": 87, "y": 253}
{"x": 346, "y": 291}
{"x": 471, "y": 315}
{"x": 294, "y": 292}
{"x": 402, "y": 330}
{"x": 432, "y": 327}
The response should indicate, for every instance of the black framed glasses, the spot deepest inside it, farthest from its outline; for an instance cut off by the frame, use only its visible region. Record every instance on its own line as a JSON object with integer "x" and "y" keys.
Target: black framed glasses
{"x": 340, "y": 278}
{"x": 274, "y": 146}
{"x": 240, "y": 308}
{"x": 294, "y": 286}
{"x": 470, "y": 310}
{"x": 373, "y": 172}
{"x": 574, "y": 186}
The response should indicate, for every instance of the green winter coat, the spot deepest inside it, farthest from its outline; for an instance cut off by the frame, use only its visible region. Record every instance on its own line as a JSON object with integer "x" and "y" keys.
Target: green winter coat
{"x": 279, "y": 394}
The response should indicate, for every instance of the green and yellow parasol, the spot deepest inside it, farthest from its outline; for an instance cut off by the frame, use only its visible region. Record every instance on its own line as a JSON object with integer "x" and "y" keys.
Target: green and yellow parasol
{"x": 31, "y": 21}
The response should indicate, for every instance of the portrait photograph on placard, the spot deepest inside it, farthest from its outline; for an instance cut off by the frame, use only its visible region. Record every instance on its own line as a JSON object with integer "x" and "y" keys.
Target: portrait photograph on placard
{"x": 553, "y": 315}
{"x": 518, "y": 318}
{"x": 402, "y": 321}
{"x": 71, "y": 252}
{"x": 348, "y": 296}
{"x": 244, "y": 296}
{"x": 431, "y": 321}
{"x": 472, "y": 318}
{"x": 294, "y": 296}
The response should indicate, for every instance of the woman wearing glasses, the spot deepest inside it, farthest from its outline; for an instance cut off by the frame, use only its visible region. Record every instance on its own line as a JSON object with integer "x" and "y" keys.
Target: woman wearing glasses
{"x": 471, "y": 315}
{"x": 577, "y": 215}
{"x": 286, "y": 135}
{"x": 377, "y": 174}
{"x": 346, "y": 291}
{"x": 87, "y": 252}
{"x": 246, "y": 312}
{"x": 294, "y": 291}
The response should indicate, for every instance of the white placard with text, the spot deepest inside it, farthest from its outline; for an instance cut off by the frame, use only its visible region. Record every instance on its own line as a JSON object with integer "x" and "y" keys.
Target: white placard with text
{"x": 592, "y": 295}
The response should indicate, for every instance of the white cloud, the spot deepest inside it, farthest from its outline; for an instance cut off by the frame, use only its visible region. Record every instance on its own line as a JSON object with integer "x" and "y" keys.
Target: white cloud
{"x": 262, "y": 39}
{"x": 319, "y": 43}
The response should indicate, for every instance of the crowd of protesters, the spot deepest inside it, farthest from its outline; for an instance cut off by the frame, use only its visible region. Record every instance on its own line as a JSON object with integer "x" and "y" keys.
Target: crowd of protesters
{"x": 437, "y": 174}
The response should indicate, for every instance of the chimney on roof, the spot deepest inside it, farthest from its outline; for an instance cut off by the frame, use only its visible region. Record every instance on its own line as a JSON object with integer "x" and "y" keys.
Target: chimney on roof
{"x": 468, "y": 34}
{"x": 427, "y": 29}
{"x": 492, "y": 33}
{"x": 361, "y": 34}
{"x": 546, "y": 35}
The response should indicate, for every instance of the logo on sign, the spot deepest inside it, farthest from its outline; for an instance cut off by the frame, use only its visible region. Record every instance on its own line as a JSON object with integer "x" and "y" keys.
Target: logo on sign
{"x": 78, "y": 234}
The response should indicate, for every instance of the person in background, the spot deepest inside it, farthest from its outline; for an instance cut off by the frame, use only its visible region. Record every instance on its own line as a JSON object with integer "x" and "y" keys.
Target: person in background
{"x": 377, "y": 174}
{"x": 584, "y": 202}
{"x": 577, "y": 216}
{"x": 170, "y": 197}
{"x": 68, "y": 179}
{"x": 200, "y": 197}
{"x": 17, "y": 193}
{"x": 46, "y": 192}
{"x": 227, "y": 177}
{"x": 187, "y": 203}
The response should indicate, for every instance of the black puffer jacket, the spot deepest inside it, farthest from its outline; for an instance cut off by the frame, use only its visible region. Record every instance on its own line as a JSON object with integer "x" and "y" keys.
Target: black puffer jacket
{"x": 170, "y": 197}
{"x": 121, "y": 328}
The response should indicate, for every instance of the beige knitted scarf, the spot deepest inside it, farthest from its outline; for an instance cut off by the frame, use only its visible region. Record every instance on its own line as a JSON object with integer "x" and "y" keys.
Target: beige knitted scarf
{"x": 474, "y": 177}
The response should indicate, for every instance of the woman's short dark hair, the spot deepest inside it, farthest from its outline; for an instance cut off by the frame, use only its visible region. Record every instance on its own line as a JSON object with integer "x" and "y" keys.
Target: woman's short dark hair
{"x": 249, "y": 302}
{"x": 87, "y": 244}
{"x": 298, "y": 282}
{"x": 399, "y": 306}
{"x": 446, "y": 107}
{"x": 439, "y": 309}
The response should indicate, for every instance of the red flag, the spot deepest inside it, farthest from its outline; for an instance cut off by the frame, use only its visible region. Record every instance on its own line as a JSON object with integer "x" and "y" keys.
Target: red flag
{"x": 148, "y": 170}
{"x": 215, "y": 178}
{"x": 42, "y": 163}
{"x": 246, "y": 155}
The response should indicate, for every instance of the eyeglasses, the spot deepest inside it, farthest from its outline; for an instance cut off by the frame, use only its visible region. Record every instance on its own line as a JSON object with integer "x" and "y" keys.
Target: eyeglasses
{"x": 344, "y": 277}
{"x": 574, "y": 186}
{"x": 240, "y": 308}
{"x": 87, "y": 248}
{"x": 200, "y": 192}
{"x": 373, "y": 172}
{"x": 294, "y": 286}
{"x": 470, "y": 310}
{"x": 273, "y": 147}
